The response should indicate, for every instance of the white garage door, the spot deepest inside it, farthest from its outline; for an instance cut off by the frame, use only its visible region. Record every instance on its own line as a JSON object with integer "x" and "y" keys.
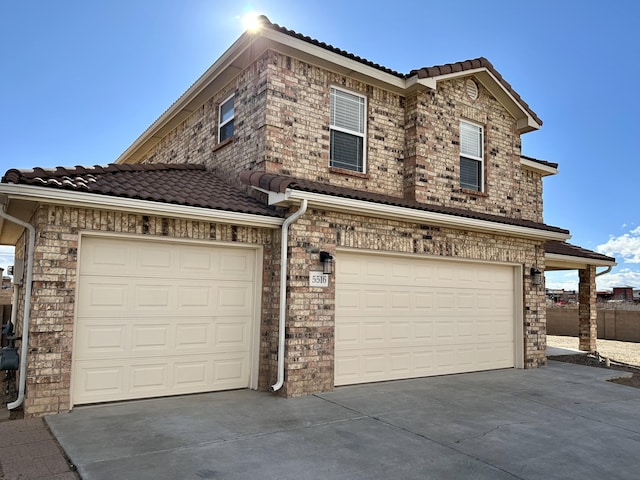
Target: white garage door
{"x": 156, "y": 319}
{"x": 401, "y": 317}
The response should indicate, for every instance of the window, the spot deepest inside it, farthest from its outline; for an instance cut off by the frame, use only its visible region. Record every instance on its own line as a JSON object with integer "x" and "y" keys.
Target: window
{"x": 226, "y": 116}
{"x": 347, "y": 131}
{"x": 471, "y": 156}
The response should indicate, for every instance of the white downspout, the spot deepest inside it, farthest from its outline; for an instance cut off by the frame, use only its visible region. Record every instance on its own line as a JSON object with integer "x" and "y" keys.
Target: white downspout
{"x": 27, "y": 307}
{"x": 284, "y": 243}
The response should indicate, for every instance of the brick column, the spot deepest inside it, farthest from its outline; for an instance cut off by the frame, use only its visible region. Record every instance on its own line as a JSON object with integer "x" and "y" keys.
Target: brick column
{"x": 587, "y": 314}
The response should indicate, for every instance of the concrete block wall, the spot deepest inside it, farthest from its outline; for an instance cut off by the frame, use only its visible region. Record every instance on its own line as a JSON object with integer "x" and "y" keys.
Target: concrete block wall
{"x": 54, "y": 287}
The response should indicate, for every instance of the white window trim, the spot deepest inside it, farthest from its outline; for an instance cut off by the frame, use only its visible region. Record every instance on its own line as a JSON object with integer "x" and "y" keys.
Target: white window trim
{"x": 221, "y": 124}
{"x": 363, "y": 135}
{"x": 473, "y": 157}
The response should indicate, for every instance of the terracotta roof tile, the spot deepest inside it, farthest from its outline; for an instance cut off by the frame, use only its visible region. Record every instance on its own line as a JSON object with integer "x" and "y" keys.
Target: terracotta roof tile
{"x": 564, "y": 248}
{"x": 279, "y": 183}
{"x": 189, "y": 185}
{"x": 480, "y": 62}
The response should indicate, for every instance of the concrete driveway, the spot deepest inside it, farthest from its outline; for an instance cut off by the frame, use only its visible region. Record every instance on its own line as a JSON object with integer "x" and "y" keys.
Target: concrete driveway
{"x": 559, "y": 422}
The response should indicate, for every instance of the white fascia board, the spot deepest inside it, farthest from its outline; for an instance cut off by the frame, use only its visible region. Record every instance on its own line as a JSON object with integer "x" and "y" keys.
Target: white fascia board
{"x": 128, "y": 205}
{"x": 333, "y": 57}
{"x": 526, "y": 123}
{"x": 361, "y": 207}
{"x": 569, "y": 262}
{"x": 544, "y": 170}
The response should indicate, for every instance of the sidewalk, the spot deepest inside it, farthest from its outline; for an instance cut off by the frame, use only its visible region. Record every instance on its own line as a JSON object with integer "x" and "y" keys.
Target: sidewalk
{"x": 28, "y": 451}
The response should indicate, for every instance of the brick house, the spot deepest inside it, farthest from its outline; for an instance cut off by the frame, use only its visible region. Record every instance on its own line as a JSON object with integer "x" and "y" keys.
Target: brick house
{"x": 196, "y": 261}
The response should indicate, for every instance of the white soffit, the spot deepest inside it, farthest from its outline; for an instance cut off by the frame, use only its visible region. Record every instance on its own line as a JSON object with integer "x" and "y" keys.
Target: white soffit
{"x": 542, "y": 169}
{"x": 554, "y": 261}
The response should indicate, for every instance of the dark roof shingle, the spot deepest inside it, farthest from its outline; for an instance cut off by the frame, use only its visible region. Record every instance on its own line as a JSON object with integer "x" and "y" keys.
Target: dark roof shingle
{"x": 189, "y": 185}
{"x": 280, "y": 183}
{"x": 564, "y": 248}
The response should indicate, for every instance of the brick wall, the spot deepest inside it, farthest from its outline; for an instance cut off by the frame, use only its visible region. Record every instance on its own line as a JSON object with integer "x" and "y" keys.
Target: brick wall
{"x": 310, "y": 327}
{"x": 54, "y": 287}
{"x": 282, "y": 126}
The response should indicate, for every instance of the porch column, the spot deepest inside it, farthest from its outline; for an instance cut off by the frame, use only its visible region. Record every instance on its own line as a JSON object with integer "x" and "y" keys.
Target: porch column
{"x": 587, "y": 314}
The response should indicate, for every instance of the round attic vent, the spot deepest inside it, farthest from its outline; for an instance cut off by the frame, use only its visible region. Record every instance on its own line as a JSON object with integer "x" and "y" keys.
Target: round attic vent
{"x": 471, "y": 88}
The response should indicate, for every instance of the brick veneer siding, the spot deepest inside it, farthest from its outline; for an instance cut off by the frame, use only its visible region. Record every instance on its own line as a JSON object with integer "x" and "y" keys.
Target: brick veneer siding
{"x": 54, "y": 287}
{"x": 195, "y": 140}
{"x": 311, "y": 311}
{"x": 282, "y": 126}
{"x": 587, "y": 312}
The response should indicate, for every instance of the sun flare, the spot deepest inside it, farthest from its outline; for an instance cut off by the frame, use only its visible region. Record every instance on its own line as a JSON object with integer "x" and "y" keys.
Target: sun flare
{"x": 251, "y": 21}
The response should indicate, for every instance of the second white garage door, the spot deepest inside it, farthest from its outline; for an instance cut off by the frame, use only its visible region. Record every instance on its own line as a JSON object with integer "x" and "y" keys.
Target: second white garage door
{"x": 160, "y": 318}
{"x": 404, "y": 317}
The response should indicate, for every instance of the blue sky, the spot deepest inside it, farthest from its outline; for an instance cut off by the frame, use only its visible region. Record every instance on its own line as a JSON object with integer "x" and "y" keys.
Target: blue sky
{"x": 80, "y": 80}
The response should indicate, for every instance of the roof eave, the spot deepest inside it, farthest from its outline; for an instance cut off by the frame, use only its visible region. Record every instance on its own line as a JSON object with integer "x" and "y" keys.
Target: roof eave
{"x": 29, "y": 194}
{"x": 555, "y": 261}
{"x": 525, "y": 121}
{"x": 542, "y": 169}
{"x": 393, "y": 212}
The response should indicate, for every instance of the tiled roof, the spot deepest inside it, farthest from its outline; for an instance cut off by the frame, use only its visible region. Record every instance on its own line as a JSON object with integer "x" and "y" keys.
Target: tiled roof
{"x": 543, "y": 162}
{"x": 481, "y": 62}
{"x": 424, "y": 72}
{"x": 564, "y": 248}
{"x": 280, "y": 183}
{"x": 189, "y": 185}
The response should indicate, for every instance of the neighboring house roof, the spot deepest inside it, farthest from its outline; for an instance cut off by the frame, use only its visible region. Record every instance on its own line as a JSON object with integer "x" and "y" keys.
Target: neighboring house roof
{"x": 189, "y": 185}
{"x": 280, "y": 184}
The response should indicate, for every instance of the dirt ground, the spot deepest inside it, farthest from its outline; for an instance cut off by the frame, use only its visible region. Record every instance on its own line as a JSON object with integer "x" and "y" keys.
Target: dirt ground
{"x": 8, "y": 394}
{"x": 623, "y": 356}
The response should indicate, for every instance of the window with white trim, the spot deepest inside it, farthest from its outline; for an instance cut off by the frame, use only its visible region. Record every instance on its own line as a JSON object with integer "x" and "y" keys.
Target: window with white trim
{"x": 347, "y": 130}
{"x": 226, "y": 115}
{"x": 471, "y": 156}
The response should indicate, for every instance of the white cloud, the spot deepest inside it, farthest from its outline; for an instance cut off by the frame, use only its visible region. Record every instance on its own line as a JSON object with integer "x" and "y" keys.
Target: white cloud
{"x": 568, "y": 280}
{"x": 565, "y": 280}
{"x": 622, "y": 278}
{"x": 626, "y": 246}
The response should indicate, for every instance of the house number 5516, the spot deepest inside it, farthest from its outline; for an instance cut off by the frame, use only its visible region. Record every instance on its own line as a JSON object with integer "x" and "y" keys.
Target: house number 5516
{"x": 318, "y": 279}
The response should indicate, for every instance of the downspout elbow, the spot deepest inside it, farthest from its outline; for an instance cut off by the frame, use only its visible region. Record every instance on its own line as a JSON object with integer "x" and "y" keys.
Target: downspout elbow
{"x": 282, "y": 316}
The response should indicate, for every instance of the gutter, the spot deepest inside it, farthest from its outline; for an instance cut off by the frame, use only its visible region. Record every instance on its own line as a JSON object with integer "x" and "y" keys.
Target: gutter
{"x": 284, "y": 244}
{"x": 24, "y": 350}
{"x": 604, "y": 272}
{"x": 393, "y": 212}
{"x": 144, "y": 207}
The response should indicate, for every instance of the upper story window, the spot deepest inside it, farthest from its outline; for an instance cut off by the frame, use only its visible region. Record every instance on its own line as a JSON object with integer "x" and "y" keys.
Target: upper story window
{"x": 225, "y": 119}
{"x": 471, "y": 156}
{"x": 348, "y": 120}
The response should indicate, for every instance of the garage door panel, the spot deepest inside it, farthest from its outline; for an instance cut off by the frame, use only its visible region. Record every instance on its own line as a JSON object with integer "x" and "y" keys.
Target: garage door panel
{"x": 150, "y": 337}
{"x": 142, "y": 333}
{"x": 408, "y": 317}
